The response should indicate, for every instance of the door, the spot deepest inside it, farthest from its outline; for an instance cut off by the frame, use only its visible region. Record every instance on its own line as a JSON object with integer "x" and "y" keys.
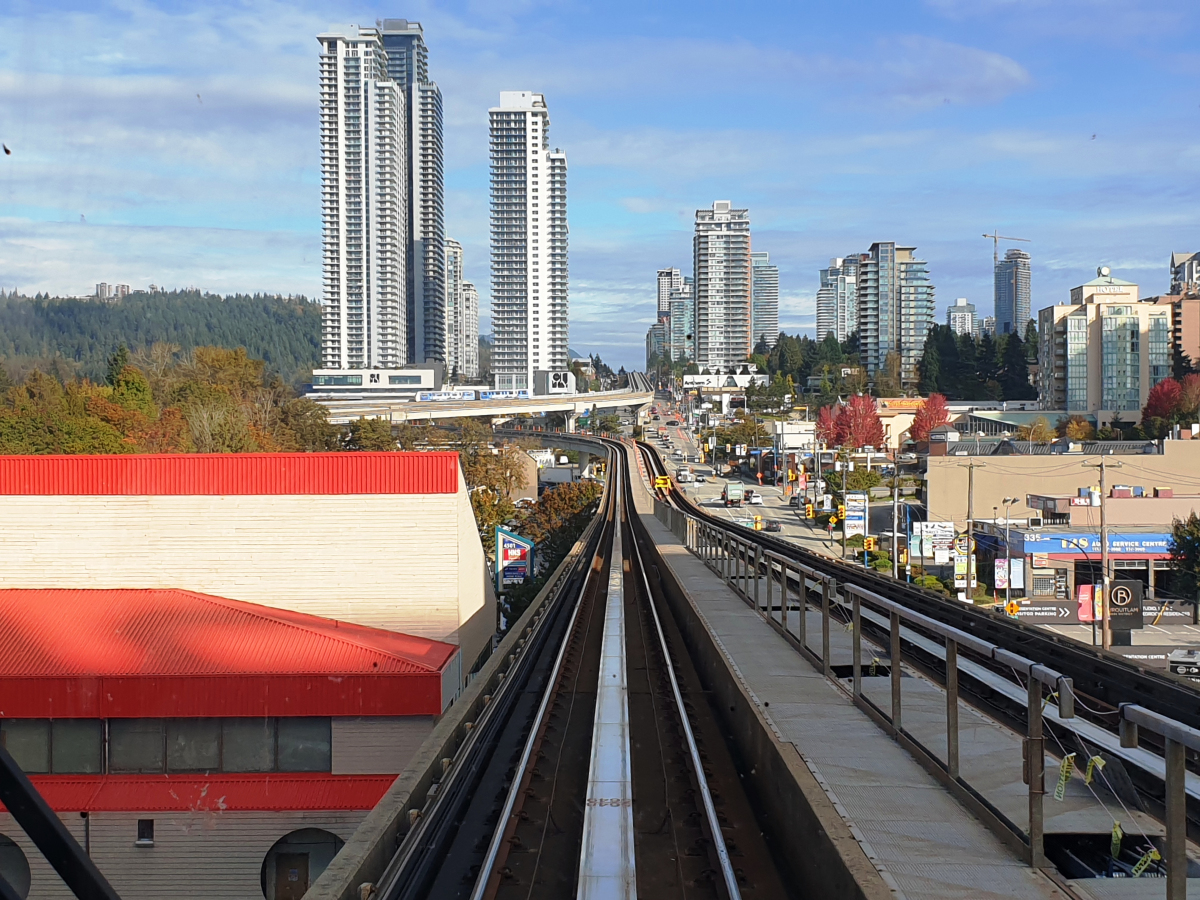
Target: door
{"x": 291, "y": 876}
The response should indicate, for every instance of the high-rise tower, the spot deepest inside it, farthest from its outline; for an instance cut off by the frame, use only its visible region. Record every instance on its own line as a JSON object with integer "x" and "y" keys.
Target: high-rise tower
{"x": 895, "y": 307}
{"x": 408, "y": 67}
{"x": 1013, "y": 295}
{"x": 668, "y": 280}
{"x": 363, "y": 194}
{"x": 529, "y": 247}
{"x": 764, "y": 288}
{"x": 837, "y": 299}
{"x": 721, "y": 256}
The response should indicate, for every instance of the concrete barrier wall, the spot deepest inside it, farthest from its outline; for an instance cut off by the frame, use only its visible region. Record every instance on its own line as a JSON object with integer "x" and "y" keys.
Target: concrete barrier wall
{"x": 817, "y": 847}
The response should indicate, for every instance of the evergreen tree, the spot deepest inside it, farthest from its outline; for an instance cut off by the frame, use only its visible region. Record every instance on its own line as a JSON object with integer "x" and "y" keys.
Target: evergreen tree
{"x": 1014, "y": 370}
{"x": 988, "y": 366}
{"x": 116, "y": 364}
{"x": 929, "y": 369}
{"x": 1031, "y": 340}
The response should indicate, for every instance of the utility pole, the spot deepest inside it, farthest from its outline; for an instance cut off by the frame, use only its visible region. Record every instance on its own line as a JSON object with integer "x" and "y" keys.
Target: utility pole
{"x": 1105, "y": 612}
{"x": 971, "y": 467}
{"x": 845, "y": 466}
{"x": 895, "y": 510}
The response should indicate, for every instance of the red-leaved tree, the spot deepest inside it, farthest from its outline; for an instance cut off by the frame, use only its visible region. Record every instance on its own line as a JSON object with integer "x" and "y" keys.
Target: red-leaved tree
{"x": 858, "y": 423}
{"x": 1189, "y": 395}
{"x": 827, "y": 425}
{"x": 933, "y": 412}
{"x": 1162, "y": 401}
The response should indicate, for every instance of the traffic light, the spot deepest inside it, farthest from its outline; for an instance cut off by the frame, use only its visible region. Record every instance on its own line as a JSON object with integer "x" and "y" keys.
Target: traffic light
{"x": 808, "y": 510}
{"x": 841, "y": 510}
{"x": 869, "y": 543}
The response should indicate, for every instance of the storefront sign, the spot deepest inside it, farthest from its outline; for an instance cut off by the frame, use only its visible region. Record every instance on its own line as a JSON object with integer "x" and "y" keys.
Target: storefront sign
{"x": 1083, "y": 544}
{"x": 1017, "y": 581}
{"x": 856, "y": 514}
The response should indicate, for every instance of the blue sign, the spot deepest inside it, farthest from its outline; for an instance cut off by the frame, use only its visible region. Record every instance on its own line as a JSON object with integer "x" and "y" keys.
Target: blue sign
{"x": 514, "y": 558}
{"x": 1082, "y": 544}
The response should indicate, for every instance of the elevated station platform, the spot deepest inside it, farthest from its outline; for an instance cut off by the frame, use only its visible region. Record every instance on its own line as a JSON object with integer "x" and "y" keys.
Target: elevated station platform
{"x": 921, "y": 839}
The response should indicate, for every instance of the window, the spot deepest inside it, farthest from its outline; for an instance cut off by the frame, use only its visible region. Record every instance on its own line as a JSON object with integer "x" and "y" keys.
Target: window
{"x": 249, "y": 745}
{"x": 145, "y": 833}
{"x": 28, "y": 740}
{"x": 304, "y": 745}
{"x": 404, "y": 379}
{"x": 193, "y": 745}
{"x": 77, "y": 746}
{"x": 135, "y": 745}
{"x": 337, "y": 381}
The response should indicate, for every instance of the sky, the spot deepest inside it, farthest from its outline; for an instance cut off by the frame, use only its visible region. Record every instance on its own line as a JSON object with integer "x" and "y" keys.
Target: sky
{"x": 177, "y": 144}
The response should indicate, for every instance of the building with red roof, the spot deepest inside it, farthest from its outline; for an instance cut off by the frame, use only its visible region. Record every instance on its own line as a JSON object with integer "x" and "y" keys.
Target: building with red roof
{"x": 383, "y": 540}
{"x": 169, "y": 727}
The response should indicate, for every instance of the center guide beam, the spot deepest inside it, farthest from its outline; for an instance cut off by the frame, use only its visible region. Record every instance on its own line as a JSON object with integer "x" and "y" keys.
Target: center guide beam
{"x": 606, "y": 868}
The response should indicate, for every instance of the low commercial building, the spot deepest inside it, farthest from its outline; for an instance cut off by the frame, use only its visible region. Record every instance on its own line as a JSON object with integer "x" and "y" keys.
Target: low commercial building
{"x": 1007, "y": 469}
{"x": 385, "y": 540}
{"x": 201, "y": 747}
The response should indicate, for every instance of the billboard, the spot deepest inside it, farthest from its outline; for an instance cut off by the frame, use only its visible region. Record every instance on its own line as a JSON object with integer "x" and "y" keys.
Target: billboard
{"x": 1083, "y": 543}
{"x": 514, "y": 558}
{"x": 933, "y": 540}
{"x": 1017, "y": 582}
{"x": 856, "y": 514}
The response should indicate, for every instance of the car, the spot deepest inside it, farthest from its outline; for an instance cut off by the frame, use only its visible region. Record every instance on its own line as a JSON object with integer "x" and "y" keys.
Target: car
{"x": 754, "y": 499}
{"x": 700, "y": 479}
{"x": 907, "y": 457}
{"x": 772, "y": 525}
{"x": 673, "y": 422}
{"x": 794, "y": 500}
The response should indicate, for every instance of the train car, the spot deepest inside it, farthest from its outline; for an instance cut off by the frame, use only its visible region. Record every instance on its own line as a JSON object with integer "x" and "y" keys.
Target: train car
{"x": 444, "y": 396}
{"x": 504, "y": 395}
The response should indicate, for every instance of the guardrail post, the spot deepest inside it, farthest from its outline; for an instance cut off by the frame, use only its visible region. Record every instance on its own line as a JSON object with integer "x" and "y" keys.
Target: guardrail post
{"x": 758, "y": 576}
{"x": 1176, "y": 821}
{"x": 952, "y": 708}
{"x": 1035, "y": 760}
{"x": 784, "y": 601}
{"x": 895, "y": 654}
{"x": 802, "y": 598}
{"x": 856, "y": 641}
{"x": 826, "y": 590}
{"x": 770, "y": 589}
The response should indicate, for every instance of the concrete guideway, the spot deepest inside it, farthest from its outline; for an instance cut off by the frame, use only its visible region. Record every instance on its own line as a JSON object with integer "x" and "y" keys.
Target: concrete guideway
{"x": 399, "y": 412}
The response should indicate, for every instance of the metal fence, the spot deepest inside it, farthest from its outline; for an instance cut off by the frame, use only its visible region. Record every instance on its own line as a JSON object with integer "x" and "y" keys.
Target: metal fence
{"x": 782, "y": 591}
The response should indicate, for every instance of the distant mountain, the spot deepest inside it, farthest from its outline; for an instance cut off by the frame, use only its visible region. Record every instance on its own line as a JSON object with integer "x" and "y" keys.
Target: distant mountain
{"x": 286, "y": 332}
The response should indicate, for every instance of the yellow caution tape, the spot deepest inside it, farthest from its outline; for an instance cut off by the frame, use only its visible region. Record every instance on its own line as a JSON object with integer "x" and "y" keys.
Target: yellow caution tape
{"x": 1065, "y": 768}
{"x": 1117, "y": 836}
{"x": 1094, "y": 765}
{"x": 1144, "y": 863}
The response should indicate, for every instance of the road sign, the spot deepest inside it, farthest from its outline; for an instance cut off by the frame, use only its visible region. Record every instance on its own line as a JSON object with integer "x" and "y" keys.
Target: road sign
{"x": 855, "y": 513}
{"x": 963, "y": 544}
{"x": 1012, "y": 608}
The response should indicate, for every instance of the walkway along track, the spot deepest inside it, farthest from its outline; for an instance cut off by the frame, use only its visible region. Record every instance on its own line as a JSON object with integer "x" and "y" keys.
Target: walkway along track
{"x": 1102, "y": 680}
{"x": 533, "y": 809}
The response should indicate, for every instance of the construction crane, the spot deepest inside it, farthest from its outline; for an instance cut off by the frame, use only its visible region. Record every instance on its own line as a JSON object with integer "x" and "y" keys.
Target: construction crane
{"x": 997, "y": 237}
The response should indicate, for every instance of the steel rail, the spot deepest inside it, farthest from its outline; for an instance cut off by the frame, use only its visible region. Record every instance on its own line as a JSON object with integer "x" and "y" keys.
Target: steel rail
{"x": 710, "y": 810}
{"x": 423, "y": 848}
{"x": 552, "y": 683}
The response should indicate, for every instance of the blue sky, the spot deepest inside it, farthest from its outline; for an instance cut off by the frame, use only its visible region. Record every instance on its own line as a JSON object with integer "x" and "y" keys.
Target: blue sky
{"x": 177, "y": 143}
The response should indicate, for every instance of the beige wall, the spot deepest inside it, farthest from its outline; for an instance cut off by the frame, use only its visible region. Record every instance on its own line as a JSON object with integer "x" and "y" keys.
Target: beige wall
{"x": 1136, "y": 510}
{"x": 1053, "y": 474}
{"x": 404, "y": 562}
{"x": 376, "y": 745}
{"x": 205, "y": 855}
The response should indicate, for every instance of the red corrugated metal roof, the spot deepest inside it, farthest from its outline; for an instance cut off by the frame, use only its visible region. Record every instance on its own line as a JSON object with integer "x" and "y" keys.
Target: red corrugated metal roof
{"x": 210, "y": 794}
{"x": 231, "y": 473}
{"x": 79, "y": 653}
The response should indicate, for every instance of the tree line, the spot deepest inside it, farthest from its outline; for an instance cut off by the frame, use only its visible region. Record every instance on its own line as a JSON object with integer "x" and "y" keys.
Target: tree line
{"x": 990, "y": 368}
{"x": 73, "y": 338}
